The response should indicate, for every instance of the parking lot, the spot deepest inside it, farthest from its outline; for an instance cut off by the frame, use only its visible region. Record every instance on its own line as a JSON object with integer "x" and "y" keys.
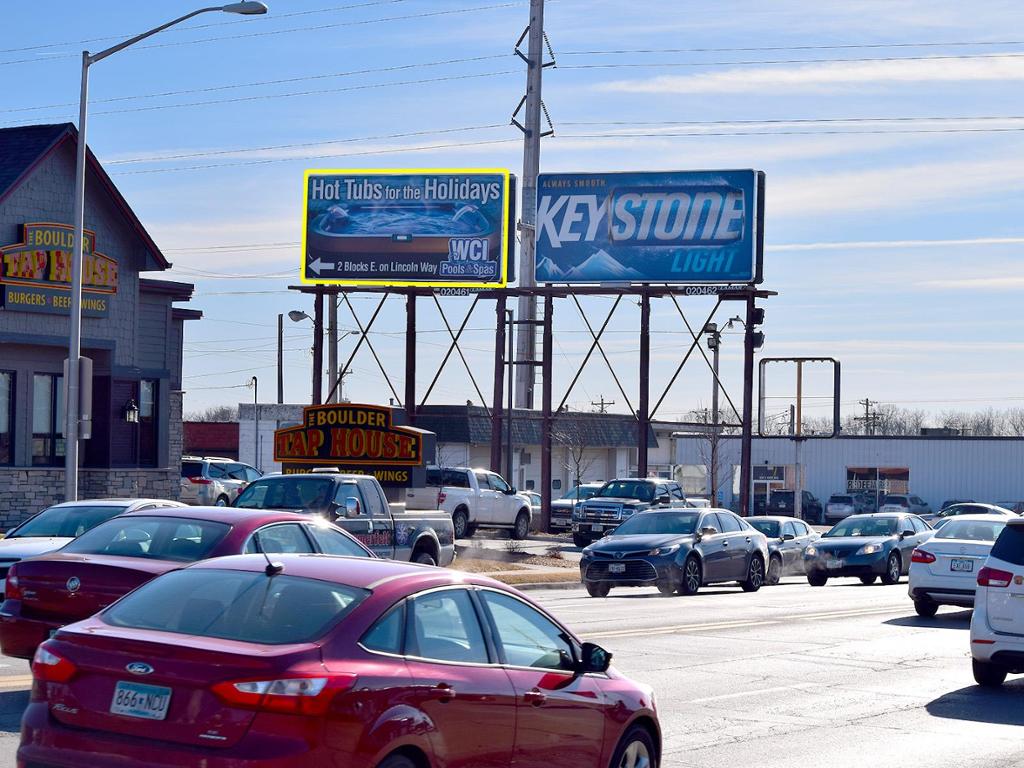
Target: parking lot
{"x": 843, "y": 675}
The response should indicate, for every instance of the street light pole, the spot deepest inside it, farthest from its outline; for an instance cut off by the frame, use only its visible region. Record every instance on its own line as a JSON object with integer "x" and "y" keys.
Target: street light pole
{"x": 72, "y": 385}
{"x": 256, "y": 418}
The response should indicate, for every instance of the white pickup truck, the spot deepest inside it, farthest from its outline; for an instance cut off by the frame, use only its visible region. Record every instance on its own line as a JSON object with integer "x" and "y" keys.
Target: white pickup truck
{"x": 475, "y": 498}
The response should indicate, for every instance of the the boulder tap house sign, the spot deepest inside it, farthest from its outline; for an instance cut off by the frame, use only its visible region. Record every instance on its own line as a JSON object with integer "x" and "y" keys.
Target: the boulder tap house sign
{"x": 359, "y": 439}
{"x": 35, "y": 274}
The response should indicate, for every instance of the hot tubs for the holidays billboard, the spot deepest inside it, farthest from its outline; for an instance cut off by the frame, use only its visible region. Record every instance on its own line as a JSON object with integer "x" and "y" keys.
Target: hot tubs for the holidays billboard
{"x": 650, "y": 227}
{"x": 407, "y": 227}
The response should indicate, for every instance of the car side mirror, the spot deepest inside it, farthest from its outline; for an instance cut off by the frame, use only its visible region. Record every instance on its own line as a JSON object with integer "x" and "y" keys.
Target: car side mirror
{"x": 708, "y": 530}
{"x": 352, "y": 507}
{"x": 594, "y": 658}
{"x": 788, "y": 537}
{"x": 511, "y": 492}
{"x": 905, "y": 533}
{"x": 664, "y": 499}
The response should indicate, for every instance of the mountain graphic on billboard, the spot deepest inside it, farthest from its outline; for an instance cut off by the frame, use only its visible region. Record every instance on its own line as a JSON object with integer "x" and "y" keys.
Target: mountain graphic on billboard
{"x": 599, "y": 266}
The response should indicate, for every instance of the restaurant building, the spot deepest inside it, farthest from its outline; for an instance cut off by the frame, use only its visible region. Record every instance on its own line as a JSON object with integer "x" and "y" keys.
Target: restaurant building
{"x": 131, "y": 329}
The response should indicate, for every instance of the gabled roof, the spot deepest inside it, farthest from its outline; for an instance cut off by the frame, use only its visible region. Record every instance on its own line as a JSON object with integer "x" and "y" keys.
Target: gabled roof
{"x": 22, "y": 149}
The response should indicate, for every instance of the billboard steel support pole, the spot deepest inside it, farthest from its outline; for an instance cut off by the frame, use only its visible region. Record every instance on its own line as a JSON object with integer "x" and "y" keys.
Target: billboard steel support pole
{"x": 410, "y": 359}
{"x": 748, "y": 409}
{"x": 280, "y": 359}
{"x": 318, "y": 347}
{"x": 499, "y": 382}
{"x": 546, "y": 396}
{"x": 643, "y": 414}
{"x": 510, "y": 321}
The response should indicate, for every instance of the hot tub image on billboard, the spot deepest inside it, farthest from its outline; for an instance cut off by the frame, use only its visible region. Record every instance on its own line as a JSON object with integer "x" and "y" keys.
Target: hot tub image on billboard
{"x": 445, "y": 228}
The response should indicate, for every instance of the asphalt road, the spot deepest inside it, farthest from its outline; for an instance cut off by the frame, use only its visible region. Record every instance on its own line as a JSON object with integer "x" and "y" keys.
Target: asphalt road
{"x": 844, "y": 675}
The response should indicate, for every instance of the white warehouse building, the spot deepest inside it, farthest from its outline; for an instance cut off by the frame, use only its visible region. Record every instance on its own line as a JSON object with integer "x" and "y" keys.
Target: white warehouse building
{"x": 935, "y": 468}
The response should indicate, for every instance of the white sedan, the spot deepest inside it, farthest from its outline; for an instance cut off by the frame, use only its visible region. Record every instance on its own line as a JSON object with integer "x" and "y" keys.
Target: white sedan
{"x": 943, "y": 569}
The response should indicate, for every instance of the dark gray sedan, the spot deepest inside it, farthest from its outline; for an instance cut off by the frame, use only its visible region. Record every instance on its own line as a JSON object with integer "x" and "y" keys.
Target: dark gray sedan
{"x": 867, "y": 547}
{"x": 787, "y": 540}
{"x": 676, "y": 551}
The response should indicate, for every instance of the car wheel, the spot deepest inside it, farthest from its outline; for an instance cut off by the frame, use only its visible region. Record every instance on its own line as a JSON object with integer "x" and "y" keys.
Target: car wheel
{"x": 817, "y": 579}
{"x": 774, "y": 571}
{"x": 636, "y": 750}
{"x": 893, "y": 569}
{"x": 522, "y": 527}
{"x": 460, "y": 521}
{"x": 580, "y": 541}
{"x": 867, "y": 580}
{"x": 693, "y": 576}
{"x": 397, "y": 761}
{"x": 987, "y": 675}
{"x": 755, "y": 575}
{"x": 926, "y": 608}
{"x": 222, "y": 501}
{"x": 598, "y": 588}
{"x": 424, "y": 558}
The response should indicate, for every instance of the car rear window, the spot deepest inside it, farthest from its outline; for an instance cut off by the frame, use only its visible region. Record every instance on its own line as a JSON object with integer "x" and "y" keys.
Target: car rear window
{"x": 65, "y": 522}
{"x": 191, "y": 469}
{"x": 246, "y": 606}
{"x": 841, "y": 500}
{"x": 782, "y": 495}
{"x": 971, "y": 530}
{"x": 180, "y": 539}
{"x": 1009, "y": 546}
{"x": 898, "y": 500}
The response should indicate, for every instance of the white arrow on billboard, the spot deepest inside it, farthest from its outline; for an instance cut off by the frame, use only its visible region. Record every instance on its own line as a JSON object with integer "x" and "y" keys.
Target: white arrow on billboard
{"x": 316, "y": 265}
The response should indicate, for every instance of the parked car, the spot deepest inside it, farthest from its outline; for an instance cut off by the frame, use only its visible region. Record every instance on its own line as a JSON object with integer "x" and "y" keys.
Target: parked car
{"x": 330, "y": 661}
{"x": 698, "y": 502}
{"x": 55, "y": 526}
{"x": 474, "y": 498}
{"x": 784, "y": 503}
{"x": 562, "y": 509}
{"x": 787, "y": 540}
{"x": 951, "y": 502}
{"x": 1017, "y": 507}
{"x": 678, "y": 551}
{"x": 617, "y": 501}
{"x": 214, "y": 482}
{"x": 535, "y": 503}
{"x": 842, "y": 505}
{"x": 966, "y": 508}
{"x": 392, "y": 531}
{"x": 45, "y": 593}
{"x": 866, "y": 546}
{"x": 943, "y": 569}
{"x": 997, "y": 625}
{"x": 896, "y": 503}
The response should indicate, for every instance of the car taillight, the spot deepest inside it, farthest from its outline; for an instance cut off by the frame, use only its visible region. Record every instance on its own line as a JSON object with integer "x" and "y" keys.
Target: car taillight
{"x": 51, "y": 667}
{"x": 12, "y": 588}
{"x": 920, "y": 556}
{"x": 994, "y": 577}
{"x": 293, "y": 695}
{"x": 200, "y": 481}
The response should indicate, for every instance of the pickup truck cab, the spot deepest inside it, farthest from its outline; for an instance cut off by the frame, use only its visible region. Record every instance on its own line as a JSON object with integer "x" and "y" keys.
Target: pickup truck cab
{"x": 617, "y": 501}
{"x": 475, "y": 498}
{"x": 357, "y": 504}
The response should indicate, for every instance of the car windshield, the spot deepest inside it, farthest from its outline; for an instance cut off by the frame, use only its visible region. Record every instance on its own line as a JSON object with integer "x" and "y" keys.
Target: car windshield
{"x": 181, "y": 539}
{"x": 65, "y": 522}
{"x": 287, "y": 492}
{"x": 246, "y": 606}
{"x": 680, "y": 524}
{"x": 971, "y": 530}
{"x": 769, "y": 528}
{"x": 627, "y": 489}
{"x": 864, "y": 526}
{"x": 900, "y": 501}
{"x": 841, "y": 500}
{"x": 580, "y": 493}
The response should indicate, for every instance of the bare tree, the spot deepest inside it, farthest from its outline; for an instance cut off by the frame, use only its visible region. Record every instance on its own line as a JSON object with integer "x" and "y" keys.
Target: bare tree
{"x": 711, "y": 438}
{"x": 571, "y": 435}
{"x": 214, "y": 413}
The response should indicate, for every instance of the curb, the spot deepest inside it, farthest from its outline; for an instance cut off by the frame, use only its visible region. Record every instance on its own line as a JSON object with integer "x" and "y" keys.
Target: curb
{"x": 547, "y": 585}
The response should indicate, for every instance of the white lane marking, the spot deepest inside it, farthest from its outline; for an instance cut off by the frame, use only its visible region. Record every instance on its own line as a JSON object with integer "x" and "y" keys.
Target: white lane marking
{"x": 759, "y": 692}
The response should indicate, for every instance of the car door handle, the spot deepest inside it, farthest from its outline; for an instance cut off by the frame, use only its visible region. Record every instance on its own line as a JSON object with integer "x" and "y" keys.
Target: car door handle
{"x": 535, "y": 697}
{"x": 725, "y": 543}
{"x": 444, "y": 692}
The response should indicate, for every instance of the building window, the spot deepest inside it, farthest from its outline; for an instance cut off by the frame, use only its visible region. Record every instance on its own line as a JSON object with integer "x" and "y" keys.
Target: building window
{"x": 6, "y": 417}
{"x": 47, "y": 420}
{"x": 149, "y": 393}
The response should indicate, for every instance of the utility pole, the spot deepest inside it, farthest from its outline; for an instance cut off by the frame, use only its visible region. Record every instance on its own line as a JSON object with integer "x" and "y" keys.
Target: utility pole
{"x": 870, "y": 418}
{"x": 280, "y": 359}
{"x": 602, "y": 406}
{"x": 714, "y": 343}
{"x": 526, "y": 344}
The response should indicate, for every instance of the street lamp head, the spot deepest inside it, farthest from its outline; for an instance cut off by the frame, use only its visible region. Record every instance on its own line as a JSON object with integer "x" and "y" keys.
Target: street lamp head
{"x": 297, "y": 316}
{"x": 248, "y": 8}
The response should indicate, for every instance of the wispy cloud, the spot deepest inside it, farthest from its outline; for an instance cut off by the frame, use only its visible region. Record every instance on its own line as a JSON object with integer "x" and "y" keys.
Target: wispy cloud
{"x": 824, "y": 77}
{"x": 991, "y": 283}
{"x": 885, "y": 245}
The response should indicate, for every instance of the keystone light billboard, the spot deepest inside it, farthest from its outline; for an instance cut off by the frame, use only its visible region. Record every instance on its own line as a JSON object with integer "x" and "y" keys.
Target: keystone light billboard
{"x": 421, "y": 227}
{"x": 650, "y": 227}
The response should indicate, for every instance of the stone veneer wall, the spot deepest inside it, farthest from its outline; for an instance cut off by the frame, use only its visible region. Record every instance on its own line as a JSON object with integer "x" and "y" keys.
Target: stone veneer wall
{"x": 24, "y": 492}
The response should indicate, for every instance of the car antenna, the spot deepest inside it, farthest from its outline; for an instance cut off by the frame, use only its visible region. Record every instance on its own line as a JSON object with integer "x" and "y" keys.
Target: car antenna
{"x": 272, "y": 568}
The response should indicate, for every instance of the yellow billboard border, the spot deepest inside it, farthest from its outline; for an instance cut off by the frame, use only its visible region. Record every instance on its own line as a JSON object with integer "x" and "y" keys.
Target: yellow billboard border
{"x": 505, "y": 242}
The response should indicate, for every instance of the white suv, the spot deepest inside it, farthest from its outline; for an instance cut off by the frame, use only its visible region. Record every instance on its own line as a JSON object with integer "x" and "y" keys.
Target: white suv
{"x": 997, "y": 626}
{"x": 212, "y": 481}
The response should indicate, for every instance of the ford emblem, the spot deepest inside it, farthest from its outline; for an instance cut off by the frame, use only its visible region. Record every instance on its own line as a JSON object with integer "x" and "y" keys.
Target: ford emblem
{"x": 74, "y": 584}
{"x": 139, "y": 668}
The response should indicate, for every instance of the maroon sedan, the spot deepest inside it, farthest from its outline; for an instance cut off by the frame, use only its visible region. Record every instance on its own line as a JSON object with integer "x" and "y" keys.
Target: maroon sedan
{"x": 44, "y": 593}
{"x": 234, "y": 663}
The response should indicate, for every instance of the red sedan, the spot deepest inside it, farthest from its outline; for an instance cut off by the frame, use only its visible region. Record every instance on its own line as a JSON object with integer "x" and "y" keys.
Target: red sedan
{"x": 44, "y": 593}
{"x": 314, "y": 661}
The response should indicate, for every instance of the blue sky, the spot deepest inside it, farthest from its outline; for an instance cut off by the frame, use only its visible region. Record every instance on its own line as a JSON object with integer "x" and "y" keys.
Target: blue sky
{"x": 895, "y": 245}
